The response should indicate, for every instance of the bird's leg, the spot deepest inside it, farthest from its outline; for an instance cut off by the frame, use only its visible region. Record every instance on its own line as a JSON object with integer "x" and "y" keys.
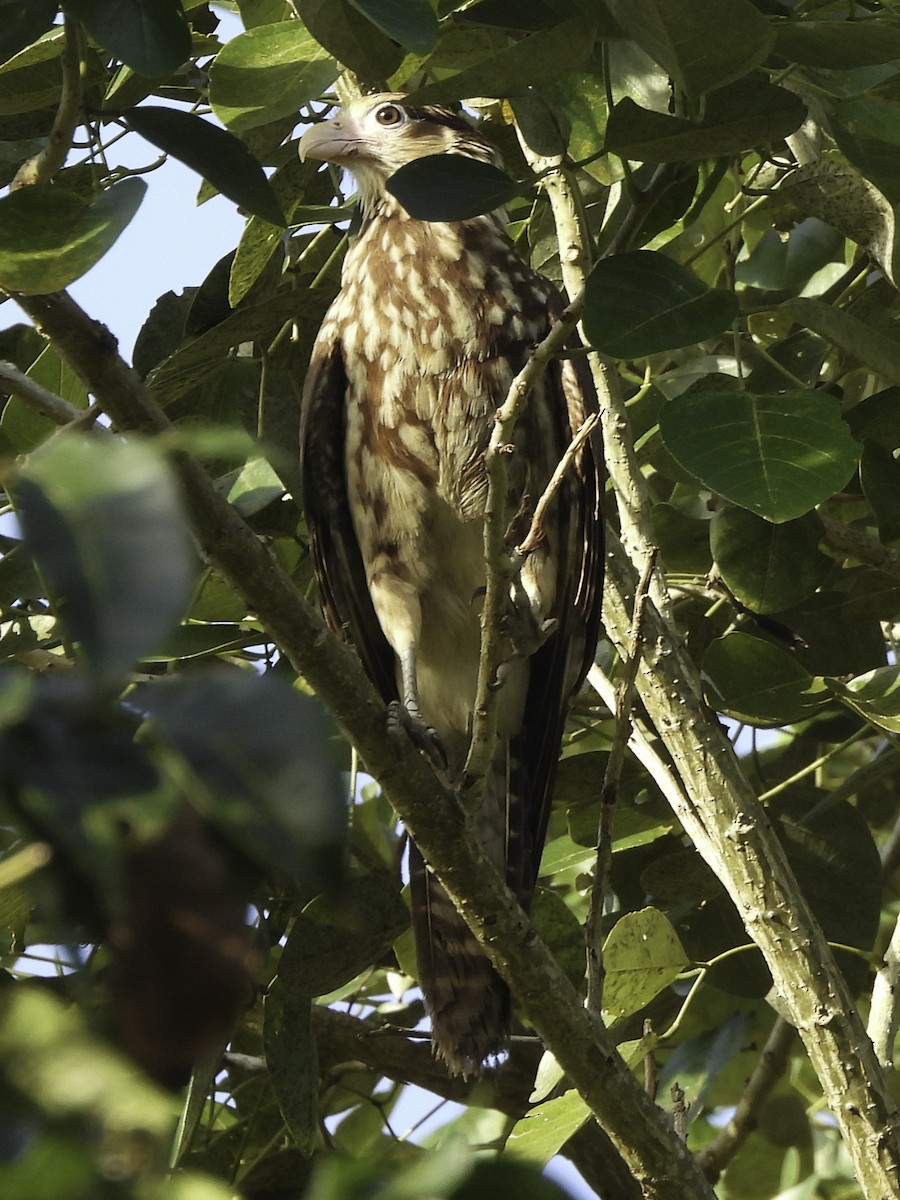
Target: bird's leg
{"x": 406, "y": 713}
{"x": 399, "y": 613}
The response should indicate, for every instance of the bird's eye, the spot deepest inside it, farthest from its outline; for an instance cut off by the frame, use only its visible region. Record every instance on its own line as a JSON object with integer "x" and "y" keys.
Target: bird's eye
{"x": 389, "y": 114}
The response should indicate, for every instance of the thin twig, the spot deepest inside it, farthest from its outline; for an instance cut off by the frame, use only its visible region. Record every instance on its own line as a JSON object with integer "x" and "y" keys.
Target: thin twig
{"x": 608, "y": 794}
{"x": 716, "y": 1155}
{"x": 536, "y": 532}
{"x": 43, "y": 166}
{"x": 499, "y": 563}
{"x": 47, "y": 403}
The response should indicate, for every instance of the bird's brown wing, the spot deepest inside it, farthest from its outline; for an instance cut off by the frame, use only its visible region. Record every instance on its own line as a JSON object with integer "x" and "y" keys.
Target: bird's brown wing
{"x": 559, "y": 667}
{"x": 338, "y": 563}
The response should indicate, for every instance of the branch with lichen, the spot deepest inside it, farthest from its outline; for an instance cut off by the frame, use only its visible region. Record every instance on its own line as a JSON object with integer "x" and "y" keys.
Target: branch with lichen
{"x": 718, "y": 808}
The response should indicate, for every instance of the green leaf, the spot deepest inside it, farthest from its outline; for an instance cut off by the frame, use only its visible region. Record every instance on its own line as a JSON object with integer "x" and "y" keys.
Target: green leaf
{"x": 24, "y": 24}
{"x": 861, "y": 341}
{"x": 412, "y": 23}
{"x": 152, "y": 36}
{"x": 768, "y": 567}
{"x": 742, "y": 116}
{"x": 751, "y": 680}
{"x": 874, "y": 695}
{"x": 781, "y": 263}
{"x": 533, "y": 60}
{"x": 702, "y": 44}
{"x": 292, "y": 1061}
{"x": 778, "y": 456}
{"x": 642, "y": 956}
{"x": 350, "y": 37}
{"x": 266, "y": 73}
{"x": 32, "y": 78}
{"x": 696, "y": 1063}
{"x": 545, "y": 1129}
{"x": 103, "y": 519}
{"x": 879, "y": 476}
{"x": 49, "y": 237}
{"x": 335, "y": 938}
{"x": 642, "y": 302}
{"x": 259, "y": 749}
{"x": 835, "y": 860}
{"x": 450, "y": 187}
{"x": 561, "y": 931}
{"x": 59, "y": 1065}
{"x": 867, "y": 130}
{"x": 221, "y": 158}
{"x": 837, "y": 45}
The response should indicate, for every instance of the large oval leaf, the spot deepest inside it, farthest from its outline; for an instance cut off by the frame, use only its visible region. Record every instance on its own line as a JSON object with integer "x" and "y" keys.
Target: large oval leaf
{"x": 874, "y": 695}
{"x": 266, "y": 73}
{"x": 412, "y": 23}
{"x": 642, "y": 956}
{"x": 449, "y": 187}
{"x": 777, "y": 455}
{"x": 49, "y": 237}
{"x": 642, "y": 302}
{"x": 743, "y": 115}
{"x": 751, "y": 680}
{"x": 768, "y": 567}
{"x": 703, "y": 44}
{"x": 214, "y": 153}
{"x": 152, "y": 36}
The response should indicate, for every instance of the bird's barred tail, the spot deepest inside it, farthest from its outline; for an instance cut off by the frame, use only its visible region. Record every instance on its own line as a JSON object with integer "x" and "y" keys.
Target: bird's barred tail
{"x": 467, "y": 1001}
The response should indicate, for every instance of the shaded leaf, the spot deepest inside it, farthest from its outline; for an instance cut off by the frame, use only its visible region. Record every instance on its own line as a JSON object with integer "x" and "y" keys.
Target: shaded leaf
{"x": 837, "y": 193}
{"x": 350, "y": 37}
{"x": 266, "y": 73}
{"x": 642, "y": 956}
{"x": 768, "y": 567}
{"x": 743, "y": 115}
{"x": 450, "y": 187}
{"x": 103, "y": 519}
{"x": 642, "y": 302}
{"x": 152, "y": 36}
{"x": 536, "y": 59}
{"x": 778, "y": 456}
{"x": 336, "y": 938}
{"x": 696, "y": 1063}
{"x": 259, "y": 752}
{"x": 835, "y": 860}
{"x": 877, "y": 350}
{"x": 412, "y": 23}
{"x": 837, "y": 45}
{"x": 23, "y": 24}
{"x": 292, "y": 1061}
{"x": 751, "y": 680}
{"x": 214, "y": 153}
{"x": 702, "y": 44}
{"x": 49, "y": 237}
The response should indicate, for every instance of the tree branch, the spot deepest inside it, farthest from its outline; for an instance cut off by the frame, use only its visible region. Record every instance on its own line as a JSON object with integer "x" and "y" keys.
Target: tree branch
{"x": 719, "y": 810}
{"x": 718, "y": 1153}
{"x": 42, "y": 166}
{"x": 433, "y": 815}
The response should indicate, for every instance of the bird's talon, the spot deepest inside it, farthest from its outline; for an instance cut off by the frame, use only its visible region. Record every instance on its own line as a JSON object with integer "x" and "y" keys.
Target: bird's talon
{"x": 403, "y": 719}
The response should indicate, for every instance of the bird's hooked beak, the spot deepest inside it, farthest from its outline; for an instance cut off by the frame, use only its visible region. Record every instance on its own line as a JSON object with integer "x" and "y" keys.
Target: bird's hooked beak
{"x": 337, "y": 140}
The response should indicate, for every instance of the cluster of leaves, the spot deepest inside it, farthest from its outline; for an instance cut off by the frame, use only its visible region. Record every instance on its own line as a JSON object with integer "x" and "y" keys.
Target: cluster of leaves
{"x": 736, "y": 164}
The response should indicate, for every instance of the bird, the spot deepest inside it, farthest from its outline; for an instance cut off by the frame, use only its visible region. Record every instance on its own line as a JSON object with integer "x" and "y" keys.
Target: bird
{"x": 432, "y": 322}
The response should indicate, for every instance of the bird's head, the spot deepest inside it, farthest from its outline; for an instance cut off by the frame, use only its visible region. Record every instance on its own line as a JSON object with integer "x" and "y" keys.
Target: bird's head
{"x": 377, "y": 135}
